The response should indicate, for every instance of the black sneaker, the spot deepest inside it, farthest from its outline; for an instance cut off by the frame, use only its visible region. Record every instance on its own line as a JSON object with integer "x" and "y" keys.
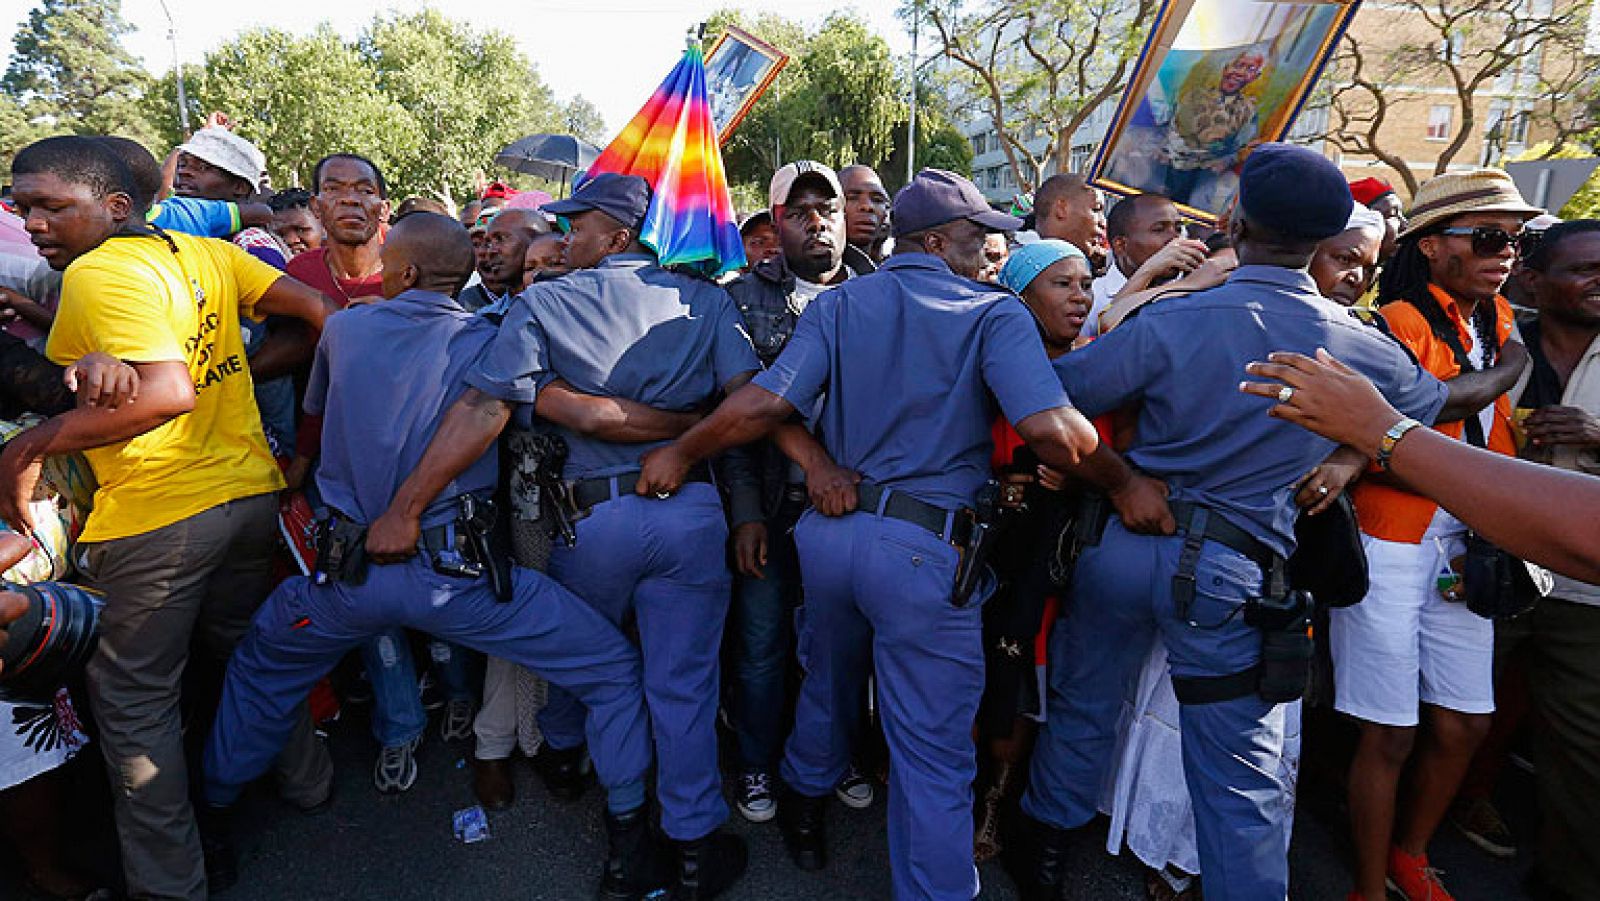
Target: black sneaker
{"x": 756, "y": 801}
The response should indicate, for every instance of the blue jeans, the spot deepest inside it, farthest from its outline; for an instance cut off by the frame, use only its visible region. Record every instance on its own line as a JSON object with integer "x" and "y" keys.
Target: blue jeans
{"x": 303, "y": 629}
{"x": 1121, "y": 598}
{"x": 397, "y": 714}
{"x": 761, "y": 644}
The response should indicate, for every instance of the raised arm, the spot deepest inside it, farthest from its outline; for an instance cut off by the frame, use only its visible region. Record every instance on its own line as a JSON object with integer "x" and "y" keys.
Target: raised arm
{"x": 1506, "y": 500}
{"x": 470, "y": 426}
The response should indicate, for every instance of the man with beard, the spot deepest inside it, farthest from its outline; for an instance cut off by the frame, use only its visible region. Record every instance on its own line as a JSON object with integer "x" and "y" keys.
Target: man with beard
{"x": 766, "y": 492}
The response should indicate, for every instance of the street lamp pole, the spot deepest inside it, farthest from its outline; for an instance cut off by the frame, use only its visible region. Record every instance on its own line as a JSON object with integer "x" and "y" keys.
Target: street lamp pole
{"x": 177, "y": 69}
{"x": 911, "y": 123}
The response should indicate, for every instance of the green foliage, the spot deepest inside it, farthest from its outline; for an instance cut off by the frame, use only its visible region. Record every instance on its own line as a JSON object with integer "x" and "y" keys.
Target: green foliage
{"x": 428, "y": 98}
{"x": 296, "y": 97}
{"x": 840, "y": 100}
{"x": 69, "y": 72}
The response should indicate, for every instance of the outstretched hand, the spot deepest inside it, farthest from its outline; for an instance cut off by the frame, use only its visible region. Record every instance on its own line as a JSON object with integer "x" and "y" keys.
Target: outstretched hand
{"x": 1328, "y": 398}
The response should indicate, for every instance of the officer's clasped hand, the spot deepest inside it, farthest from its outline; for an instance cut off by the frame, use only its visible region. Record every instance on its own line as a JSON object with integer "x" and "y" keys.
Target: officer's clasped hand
{"x": 393, "y": 537}
{"x": 832, "y": 488}
{"x": 662, "y": 471}
{"x": 1141, "y": 504}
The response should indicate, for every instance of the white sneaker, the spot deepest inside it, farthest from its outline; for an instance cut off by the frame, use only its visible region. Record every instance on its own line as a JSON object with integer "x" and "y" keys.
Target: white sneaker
{"x": 855, "y": 789}
{"x": 756, "y": 801}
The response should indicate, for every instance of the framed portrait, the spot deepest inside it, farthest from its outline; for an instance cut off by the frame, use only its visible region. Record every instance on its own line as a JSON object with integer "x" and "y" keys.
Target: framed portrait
{"x": 739, "y": 70}
{"x": 1215, "y": 78}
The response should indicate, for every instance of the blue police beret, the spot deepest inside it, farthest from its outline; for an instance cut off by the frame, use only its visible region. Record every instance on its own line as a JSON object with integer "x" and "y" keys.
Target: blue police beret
{"x": 624, "y": 198}
{"x": 1295, "y": 192}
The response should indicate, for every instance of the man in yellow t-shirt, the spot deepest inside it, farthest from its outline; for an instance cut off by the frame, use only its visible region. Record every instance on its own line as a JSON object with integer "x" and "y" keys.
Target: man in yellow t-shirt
{"x": 184, "y": 523}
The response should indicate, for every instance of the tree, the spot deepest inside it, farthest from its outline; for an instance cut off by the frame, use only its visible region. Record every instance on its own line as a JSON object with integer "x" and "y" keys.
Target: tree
{"x": 68, "y": 69}
{"x": 467, "y": 93}
{"x": 427, "y": 98}
{"x": 839, "y": 101}
{"x": 1035, "y": 67}
{"x": 298, "y": 98}
{"x": 1519, "y": 50}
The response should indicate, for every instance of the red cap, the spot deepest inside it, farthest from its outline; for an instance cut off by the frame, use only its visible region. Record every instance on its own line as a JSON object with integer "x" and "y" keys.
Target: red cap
{"x": 498, "y": 189}
{"x": 1367, "y": 190}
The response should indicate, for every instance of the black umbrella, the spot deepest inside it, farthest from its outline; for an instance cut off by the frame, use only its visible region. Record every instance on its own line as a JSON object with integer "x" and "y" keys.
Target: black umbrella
{"x": 554, "y": 157}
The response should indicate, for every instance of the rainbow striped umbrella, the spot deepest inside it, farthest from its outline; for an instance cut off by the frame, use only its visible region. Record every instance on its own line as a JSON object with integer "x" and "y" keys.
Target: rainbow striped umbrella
{"x": 672, "y": 144}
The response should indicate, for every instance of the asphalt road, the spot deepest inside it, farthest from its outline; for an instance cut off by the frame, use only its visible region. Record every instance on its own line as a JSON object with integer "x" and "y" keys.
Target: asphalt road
{"x": 401, "y": 847}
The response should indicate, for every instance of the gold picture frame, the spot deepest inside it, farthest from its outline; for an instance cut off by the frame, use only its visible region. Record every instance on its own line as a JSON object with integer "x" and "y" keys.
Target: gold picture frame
{"x": 1215, "y": 78}
{"x": 739, "y": 69}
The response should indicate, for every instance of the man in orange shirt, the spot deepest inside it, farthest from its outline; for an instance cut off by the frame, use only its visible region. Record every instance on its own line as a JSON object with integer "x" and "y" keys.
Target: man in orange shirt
{"x": 1410, "y": 643}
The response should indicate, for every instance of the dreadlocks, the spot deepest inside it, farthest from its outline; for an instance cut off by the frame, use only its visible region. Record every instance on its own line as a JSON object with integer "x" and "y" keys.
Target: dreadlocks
{"x": 1406, "y": 278}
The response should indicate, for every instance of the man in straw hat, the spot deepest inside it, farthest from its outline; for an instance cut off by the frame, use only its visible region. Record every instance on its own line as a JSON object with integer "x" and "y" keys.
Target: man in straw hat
{"x": 1409, "y": 646}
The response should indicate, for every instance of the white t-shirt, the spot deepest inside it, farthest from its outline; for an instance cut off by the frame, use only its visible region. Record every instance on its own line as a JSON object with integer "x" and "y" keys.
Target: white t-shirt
{"x": 1105, "y": 290}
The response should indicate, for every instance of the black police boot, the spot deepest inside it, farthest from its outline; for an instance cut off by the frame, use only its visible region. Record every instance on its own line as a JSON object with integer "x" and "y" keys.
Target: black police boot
{"x": 803, "y": 822}
{"x": 1036, "y": 858}
{"x": 708, "y": 866}
{"x": 565, "y": 773}
{"x": 216, "y": 843}
{"x": 636, "y": 864}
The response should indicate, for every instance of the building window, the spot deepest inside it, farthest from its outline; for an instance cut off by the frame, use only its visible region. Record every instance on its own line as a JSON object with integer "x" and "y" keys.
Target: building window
{"x": 1450, "y": 48}
{"x": 1517, "y": 127}
{"x": 1440, "y": 119}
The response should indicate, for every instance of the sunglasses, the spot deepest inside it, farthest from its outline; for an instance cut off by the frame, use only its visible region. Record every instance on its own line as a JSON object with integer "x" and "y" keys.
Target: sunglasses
{"x": 1487, "y": 241}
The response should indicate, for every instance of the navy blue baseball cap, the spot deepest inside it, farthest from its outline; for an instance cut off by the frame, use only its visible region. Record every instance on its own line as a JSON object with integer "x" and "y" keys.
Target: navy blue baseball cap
{"x": 1294, "y": 191}
{"x": 624, "y": 198}
{"x": 935, "y": 197}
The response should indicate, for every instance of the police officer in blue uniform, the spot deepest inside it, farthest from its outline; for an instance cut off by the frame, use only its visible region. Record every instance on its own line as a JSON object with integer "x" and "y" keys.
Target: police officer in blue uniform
{"x": 622, "y": 326}
{"x": 383, "y": 376}
{"x": 911, "y": 359}
{"x": 1215, "y": 591}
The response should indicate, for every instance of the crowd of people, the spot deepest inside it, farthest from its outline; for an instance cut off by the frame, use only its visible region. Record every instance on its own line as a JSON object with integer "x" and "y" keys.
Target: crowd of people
{"x": 1010, "y": 520}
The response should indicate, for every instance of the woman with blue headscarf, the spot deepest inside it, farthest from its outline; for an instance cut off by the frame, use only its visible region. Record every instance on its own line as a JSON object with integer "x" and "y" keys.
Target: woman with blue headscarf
{"x": 1053, "y": 279}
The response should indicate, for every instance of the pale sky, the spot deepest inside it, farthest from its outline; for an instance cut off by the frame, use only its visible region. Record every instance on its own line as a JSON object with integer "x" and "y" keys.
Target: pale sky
{"x": 634, "y": 43}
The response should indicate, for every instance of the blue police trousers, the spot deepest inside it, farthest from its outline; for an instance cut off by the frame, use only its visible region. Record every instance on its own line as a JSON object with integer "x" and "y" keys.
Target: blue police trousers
{"x": 664, "y": 564}
{"x": 877, "y": 593}
{"x": 303, "y": 629}
{"x": 1121, "y": 596}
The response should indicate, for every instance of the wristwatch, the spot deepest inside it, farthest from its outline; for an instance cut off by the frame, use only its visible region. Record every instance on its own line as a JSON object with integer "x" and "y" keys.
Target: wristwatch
{"x": 1391, "y": 438}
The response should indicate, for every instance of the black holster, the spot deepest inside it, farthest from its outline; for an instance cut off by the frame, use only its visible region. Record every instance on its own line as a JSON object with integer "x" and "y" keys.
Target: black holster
{"x": 341, "y": 545}
{"x": 1282, "y": 616}
{"x": 980, "y": 543}
{"x": 489, "y": 541}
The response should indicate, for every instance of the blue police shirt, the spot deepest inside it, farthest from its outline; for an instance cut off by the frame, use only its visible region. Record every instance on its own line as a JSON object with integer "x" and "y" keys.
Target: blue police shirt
{"x": 1182, "y": 360}
{"x": 384, "y": 375}
{"x": 626, "y": 328}
{"x": 908, "y": 357}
